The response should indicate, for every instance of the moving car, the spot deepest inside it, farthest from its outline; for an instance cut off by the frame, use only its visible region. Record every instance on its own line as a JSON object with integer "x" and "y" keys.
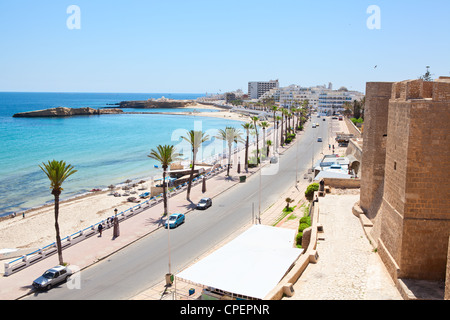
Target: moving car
{"x": 174, "y": 220}
{"x": 51, "y": 277}
{"x": 204, "y": 203}
{"x": 319, "y": 139}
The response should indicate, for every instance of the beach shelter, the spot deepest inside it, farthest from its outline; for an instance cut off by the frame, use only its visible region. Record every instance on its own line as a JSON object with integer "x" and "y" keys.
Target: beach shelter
{"x": 249, "y": 266}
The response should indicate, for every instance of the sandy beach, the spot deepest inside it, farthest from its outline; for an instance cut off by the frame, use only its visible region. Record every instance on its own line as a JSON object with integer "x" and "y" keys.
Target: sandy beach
{"x": 37, "y": 229}
{"x": 220, "y": 113}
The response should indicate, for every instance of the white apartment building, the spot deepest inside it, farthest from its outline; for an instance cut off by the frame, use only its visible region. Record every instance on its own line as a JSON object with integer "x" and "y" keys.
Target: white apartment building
{"x": 257, "y": 88}
{"x": 332, "y": 101}
{"x": 293, "y": 96}
{"x": 324, "y": 99}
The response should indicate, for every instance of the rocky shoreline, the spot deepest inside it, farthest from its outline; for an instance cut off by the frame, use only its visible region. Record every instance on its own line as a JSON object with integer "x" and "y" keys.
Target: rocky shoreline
{"x": 155, "y": 104}
{"x": 112, "y": 109}
{"x": 66, "y": 112}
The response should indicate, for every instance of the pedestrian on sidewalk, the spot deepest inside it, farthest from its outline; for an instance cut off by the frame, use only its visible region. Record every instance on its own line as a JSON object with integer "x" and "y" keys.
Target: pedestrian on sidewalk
{"x": 100, "y": 229}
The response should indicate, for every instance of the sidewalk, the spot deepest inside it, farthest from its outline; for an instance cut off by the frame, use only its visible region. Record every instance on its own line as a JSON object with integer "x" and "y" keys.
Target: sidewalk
{"x": 347, "y": 268}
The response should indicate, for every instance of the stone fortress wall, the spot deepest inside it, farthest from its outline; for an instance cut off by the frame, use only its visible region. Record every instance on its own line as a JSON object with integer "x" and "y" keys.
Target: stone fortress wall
{"x": 404, "y": 175}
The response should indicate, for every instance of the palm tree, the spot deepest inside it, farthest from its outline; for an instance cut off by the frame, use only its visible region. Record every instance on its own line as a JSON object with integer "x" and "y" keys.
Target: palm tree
{"x": 288, "y": 202}
{"x": 278, "y": 131}
{"x": 247, "y": 127}
{"x": 268, "y": 143}
{"x": 264, "y": 125}
{"x": 286, "y": 124}
{"x": 255, "y": 119}
{"x": 195, "y": 139}
{"x": 274, "y": 109}
{"x": 283, "y": 115}
{"x": 57, "y": 172}
{"x": 230, "y": 135}
{"x": 165, "y": 155}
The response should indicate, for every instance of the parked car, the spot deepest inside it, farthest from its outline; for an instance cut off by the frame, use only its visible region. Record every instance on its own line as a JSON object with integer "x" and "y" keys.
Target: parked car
{"x": 144, "y": 195}
{"x": 52, "y": 277}
{"x": 204, "y": 203}
{"x": 319, "y": 139}
{"x": 174, "y": 220}
{"x": 313, "y": 125}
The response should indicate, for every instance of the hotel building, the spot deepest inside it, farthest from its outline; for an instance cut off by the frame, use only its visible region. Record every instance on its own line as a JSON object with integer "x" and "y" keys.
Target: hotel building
{"x": 257, "y": 88}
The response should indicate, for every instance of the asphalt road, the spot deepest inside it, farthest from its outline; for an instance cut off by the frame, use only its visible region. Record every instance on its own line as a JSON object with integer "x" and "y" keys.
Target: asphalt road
{"x": 145, "y": 263}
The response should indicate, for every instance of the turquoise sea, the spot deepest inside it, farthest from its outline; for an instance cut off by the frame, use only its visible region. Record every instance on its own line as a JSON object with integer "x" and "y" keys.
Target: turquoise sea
{"x": 106, "y": 149}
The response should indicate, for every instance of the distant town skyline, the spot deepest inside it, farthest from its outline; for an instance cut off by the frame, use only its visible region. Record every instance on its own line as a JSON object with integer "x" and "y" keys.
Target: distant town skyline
{"x": 217, "y": 46}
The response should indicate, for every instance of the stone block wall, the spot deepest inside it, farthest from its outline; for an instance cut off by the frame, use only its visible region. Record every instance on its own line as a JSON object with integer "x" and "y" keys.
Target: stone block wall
{"x": 447, "y": 277}
{"x": 415, "y": 208}
{"x": 374, "y": 147}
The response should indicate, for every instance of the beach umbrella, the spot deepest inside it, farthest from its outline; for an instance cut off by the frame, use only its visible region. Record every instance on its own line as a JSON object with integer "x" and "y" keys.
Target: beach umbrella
{"x": 111, "y": 187}
{"x": 204, "y": 185}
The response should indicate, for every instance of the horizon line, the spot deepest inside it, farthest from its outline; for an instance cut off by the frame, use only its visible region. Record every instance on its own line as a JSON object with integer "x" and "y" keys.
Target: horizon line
{"x": 102, "y": 92}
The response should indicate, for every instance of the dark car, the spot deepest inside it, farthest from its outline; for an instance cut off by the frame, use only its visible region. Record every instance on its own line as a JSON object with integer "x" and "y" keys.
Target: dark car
{"x": 204, "y": 203}
{"x": 52, "y": 277}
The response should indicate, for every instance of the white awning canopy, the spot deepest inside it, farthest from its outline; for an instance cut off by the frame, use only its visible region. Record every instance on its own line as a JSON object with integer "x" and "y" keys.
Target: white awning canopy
{"x": 251, "y": 265}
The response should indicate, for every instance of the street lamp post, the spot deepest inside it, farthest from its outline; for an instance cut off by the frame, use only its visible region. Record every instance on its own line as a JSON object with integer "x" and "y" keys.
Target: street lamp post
{"x": 169, "y": 274}
{"x": 296, "y": 162}
{"x": 116, "y": 231}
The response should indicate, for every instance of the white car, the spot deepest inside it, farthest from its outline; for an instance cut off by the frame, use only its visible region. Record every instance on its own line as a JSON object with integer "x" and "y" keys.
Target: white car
{"x": 51, "y": 277}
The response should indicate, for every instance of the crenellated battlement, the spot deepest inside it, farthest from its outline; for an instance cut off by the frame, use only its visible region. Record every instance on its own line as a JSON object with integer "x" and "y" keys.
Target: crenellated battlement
{"x": 438, "y": 90}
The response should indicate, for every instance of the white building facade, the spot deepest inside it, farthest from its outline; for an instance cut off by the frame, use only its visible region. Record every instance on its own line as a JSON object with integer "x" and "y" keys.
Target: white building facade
{"x": 324, "y": 99}
{"x": 256, "y": 89}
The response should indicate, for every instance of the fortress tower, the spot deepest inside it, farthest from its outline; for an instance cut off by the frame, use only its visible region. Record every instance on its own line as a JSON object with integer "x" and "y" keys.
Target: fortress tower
{"x": 405, "y": 179}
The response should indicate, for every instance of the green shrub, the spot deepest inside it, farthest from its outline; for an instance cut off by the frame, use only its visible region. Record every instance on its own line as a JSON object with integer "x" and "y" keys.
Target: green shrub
{"x": 298, "y": 239}
{"x": 303, "y": 226}
{"x": 305, "y": 222}
{"x": 309, "y": 193}
{"x": 355, "y": 121}
{"x": 306, "y": 219}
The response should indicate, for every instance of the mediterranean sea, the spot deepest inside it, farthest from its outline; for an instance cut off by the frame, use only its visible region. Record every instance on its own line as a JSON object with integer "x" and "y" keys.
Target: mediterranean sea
{"x": 105, "y": 149}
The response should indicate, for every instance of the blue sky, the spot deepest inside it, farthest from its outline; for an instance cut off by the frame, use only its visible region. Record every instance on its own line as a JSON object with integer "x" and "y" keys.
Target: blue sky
{"x": 197, "y": 46}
